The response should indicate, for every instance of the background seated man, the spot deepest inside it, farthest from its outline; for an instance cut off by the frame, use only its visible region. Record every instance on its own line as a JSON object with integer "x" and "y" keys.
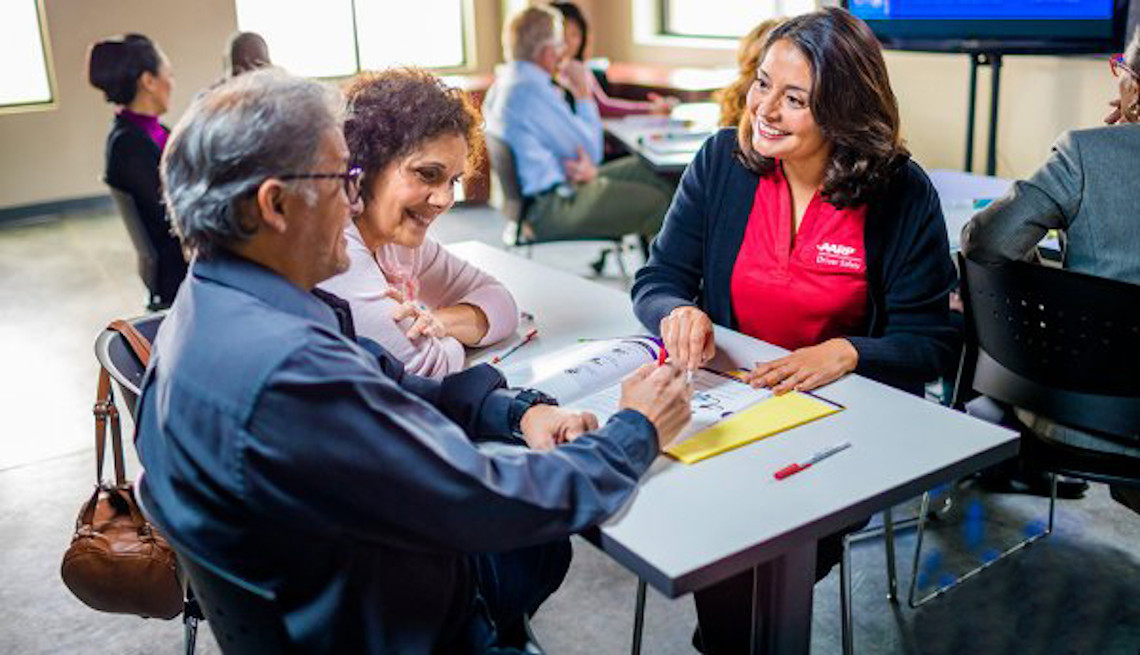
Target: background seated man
{"x": 292, "y": 457}
{"x": 557, "y": 149}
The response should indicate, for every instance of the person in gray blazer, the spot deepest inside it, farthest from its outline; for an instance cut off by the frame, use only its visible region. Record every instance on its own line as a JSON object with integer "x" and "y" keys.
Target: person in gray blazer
{"x": 1087, "y": 189}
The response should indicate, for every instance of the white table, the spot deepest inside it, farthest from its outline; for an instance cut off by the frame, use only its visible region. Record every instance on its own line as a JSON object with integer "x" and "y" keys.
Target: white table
{"x": 690, "y": 526}
{"x": 687, "y": 121}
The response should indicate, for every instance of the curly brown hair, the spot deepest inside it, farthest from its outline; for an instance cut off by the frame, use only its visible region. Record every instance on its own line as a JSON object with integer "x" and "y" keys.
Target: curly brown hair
{"x": 392, "y": 113}
{"x": 851, "y": 101}
{"x": 732, "y": 98}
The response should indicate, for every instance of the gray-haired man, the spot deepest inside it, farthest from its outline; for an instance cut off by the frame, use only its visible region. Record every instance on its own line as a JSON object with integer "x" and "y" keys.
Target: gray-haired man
{"x": 284, "y": 452}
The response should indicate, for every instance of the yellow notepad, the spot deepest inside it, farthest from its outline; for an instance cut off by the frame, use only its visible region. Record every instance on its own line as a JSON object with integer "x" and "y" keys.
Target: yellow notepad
{"x": 763, "y": 419}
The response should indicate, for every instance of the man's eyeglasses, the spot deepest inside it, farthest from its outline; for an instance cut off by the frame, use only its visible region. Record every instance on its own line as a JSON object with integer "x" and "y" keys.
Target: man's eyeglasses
{"x": 1116, "y": 64}
{"x": 351, "y": 180}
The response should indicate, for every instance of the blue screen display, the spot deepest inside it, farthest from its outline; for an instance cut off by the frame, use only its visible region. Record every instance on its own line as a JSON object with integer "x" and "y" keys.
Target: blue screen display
{"x": 982, "y": 9}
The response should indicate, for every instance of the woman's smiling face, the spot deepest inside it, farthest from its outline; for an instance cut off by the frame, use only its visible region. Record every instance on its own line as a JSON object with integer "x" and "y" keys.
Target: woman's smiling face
{"x": 410, "y": 193}
{"x": 779, "y": 104}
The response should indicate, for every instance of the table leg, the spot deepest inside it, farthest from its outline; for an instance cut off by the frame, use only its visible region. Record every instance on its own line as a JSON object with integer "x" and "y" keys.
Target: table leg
{"x": 782, "y": 603}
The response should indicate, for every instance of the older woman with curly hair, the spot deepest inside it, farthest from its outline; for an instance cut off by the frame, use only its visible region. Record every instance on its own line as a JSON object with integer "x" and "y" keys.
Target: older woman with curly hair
{"x": 809, "y": 227}
{"x": 733, "y": 98}
{"x": 414, "y": 138}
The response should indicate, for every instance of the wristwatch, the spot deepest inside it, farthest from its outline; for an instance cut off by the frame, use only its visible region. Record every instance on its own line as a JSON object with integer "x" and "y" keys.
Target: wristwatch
{"x": 526, "y": 399}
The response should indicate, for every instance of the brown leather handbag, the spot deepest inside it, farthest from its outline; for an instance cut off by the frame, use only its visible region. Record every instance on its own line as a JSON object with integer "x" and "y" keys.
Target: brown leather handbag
{"x": 117, "y": 561}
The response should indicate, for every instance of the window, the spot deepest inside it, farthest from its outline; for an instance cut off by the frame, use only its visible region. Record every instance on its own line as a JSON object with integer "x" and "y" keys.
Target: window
{"x": 724, "y": 18}
{"x": 337, "y": 38}
{"x": 24, "y": 78}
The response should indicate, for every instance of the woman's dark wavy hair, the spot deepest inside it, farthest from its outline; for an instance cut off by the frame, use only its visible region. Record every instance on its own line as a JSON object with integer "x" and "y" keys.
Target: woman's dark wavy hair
{"x": 393, "y": 112}
{"x": 571, "y": 12}
{"x": 851, "y": 101}
{"x": 115, "y": 65}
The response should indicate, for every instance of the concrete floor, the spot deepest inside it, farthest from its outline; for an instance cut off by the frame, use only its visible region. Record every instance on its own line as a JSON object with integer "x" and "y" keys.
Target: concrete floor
{"x": 63, "y": 279}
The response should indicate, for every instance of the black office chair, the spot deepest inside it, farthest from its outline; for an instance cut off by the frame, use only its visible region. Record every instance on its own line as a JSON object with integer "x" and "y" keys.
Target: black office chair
{"x": 508, "y": 198}
{"x": 1064, "y": 346}
{"x": 145, "y": 250}
{"x": 244, "y": 617}
{"x": 115, "y": 355}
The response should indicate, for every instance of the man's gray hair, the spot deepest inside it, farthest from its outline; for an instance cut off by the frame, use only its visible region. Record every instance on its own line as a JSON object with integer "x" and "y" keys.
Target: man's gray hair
{"x": 234, "y": 137}
{"x": 529, "y": 31}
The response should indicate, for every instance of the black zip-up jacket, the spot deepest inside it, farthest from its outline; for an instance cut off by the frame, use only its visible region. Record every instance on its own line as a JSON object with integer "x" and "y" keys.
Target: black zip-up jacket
{"x": 908, "y": 338}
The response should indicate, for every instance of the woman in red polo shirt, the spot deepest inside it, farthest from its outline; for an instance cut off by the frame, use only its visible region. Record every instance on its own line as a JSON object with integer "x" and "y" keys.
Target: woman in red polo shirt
{"x": 809, "y": 228}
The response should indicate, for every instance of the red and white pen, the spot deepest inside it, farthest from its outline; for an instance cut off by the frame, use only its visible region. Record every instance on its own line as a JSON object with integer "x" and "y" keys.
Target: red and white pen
{"x": 792, "y": 469}
{"x": 527, "y": 338}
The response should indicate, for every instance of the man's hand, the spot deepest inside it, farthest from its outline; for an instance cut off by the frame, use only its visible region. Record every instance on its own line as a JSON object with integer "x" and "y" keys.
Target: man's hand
{"x": 661, "y": 394}
{"x": 580, "y": 170}
{"x": 806, "y": 368}
{"x": 688, "y": 336}
{"x": 547, "y": 426}
{"x": 574, "y": 75}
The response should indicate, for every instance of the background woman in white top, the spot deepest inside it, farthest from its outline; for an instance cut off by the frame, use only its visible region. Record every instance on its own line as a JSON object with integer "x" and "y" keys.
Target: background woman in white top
{"x": 414, "y": 138}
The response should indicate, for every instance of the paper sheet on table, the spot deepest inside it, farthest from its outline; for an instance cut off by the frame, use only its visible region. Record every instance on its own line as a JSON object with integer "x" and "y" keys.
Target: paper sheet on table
{"x": 716, "y": 397}
{"x": 768, "y": 417}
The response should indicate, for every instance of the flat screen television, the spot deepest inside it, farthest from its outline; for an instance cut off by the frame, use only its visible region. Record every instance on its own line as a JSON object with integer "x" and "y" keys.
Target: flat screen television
{"x": 996, "y": 26}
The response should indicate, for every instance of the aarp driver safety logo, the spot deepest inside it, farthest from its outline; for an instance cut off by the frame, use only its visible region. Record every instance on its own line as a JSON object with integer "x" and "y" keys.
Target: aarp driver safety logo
{"x": 839, "y": 256}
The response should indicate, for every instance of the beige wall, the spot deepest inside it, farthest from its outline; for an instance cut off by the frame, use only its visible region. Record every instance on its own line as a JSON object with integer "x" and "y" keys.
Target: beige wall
{"x": 1040, "y": 96}
{"x": 57, "y": 154}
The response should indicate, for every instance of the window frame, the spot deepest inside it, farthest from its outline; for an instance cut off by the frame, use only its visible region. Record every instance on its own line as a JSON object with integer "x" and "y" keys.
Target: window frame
{"x": 467, "y": 65}
{"x": 49, "y": 69}
{"x": 661, "y": 26}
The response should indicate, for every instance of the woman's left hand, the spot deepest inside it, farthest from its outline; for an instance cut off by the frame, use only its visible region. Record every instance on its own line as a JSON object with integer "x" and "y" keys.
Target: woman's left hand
{"x": 806, "y": 368}
{"x": 424, "y": 322}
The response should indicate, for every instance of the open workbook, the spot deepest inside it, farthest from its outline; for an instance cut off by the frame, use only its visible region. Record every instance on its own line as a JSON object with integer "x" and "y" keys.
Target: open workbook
{"x": 727, "y": 413}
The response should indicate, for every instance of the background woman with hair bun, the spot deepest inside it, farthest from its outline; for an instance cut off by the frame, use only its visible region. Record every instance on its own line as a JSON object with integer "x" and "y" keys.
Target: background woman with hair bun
{"x": 809, "y": 227}
{"x": 136, "y": 76}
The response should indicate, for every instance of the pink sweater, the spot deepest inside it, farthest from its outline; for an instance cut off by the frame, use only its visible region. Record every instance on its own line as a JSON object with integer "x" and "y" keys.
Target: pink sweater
{"x": 438, "y": 279}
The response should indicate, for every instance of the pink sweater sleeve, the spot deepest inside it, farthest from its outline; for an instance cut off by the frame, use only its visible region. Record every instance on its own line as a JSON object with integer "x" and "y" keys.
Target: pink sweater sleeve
{"x": 617, "y": 107}
{"x": 446, "y": 280}
{"x": 363, "y": 285}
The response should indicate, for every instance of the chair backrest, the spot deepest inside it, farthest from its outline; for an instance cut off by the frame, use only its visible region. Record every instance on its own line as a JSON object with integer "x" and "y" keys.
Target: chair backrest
{"x": 1060, "y": 344}
{"x": 244, "y": 617}
{"x": 505, "y": 176}
{"x": 144, "y": 249}
{"x": 115, "y": 355}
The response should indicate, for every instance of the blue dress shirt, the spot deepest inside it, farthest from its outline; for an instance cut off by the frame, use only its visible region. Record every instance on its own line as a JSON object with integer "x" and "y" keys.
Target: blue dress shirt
{"x": 524, "y": 108}
{"x": 289, "y": 455}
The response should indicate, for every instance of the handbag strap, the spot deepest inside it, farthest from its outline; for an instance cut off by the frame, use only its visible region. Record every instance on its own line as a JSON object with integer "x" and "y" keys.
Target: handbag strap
{"x": 106, "y": 411}
{"x": 139, "y": 344}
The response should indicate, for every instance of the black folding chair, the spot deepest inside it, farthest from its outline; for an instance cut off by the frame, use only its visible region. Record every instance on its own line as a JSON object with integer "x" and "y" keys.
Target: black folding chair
{"x": 145, "y": 250}
{"x": 1064, "y": 346}
{"x": 244, "y": 617}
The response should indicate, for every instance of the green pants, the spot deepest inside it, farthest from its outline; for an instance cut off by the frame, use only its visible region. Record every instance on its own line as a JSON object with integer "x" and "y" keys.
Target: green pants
{"x": 626, "y": 197}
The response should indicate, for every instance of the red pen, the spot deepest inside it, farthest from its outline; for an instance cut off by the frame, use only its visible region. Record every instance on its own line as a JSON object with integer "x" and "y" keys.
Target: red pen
{"x": 527, "y": 338}
{"x": 792, "y": 469}
{"x": 661, "y": 355}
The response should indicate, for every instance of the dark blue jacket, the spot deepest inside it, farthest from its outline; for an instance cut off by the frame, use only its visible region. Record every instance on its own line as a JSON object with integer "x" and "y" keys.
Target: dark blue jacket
{"x": 908, "y": 338}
